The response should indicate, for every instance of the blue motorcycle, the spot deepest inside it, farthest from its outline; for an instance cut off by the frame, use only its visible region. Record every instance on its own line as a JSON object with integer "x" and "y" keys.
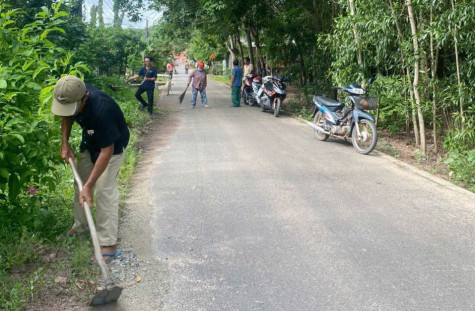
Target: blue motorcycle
{"x": 332, "y": 118}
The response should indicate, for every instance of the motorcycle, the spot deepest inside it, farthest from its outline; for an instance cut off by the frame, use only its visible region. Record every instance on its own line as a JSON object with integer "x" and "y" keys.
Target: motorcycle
{"x": 248, "y": 91}
{"x": 271, "y": 93}
{"x": 332, "y": 118}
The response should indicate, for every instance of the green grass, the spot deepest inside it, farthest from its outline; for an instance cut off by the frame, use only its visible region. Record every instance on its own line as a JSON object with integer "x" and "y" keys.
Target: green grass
{"x": 23, "y": 241}
{"x": 219, "y": 78}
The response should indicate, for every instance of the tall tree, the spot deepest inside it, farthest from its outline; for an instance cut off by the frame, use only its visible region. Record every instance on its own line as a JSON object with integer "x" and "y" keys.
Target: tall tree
{"x": 355, "y": 32}
{"x": 116, "y": 9}
{"x": 457, "y": 65}
{"x": 100, "y": 12}
{"x": 417, "y": 97}
{"x": 93, "y": 12}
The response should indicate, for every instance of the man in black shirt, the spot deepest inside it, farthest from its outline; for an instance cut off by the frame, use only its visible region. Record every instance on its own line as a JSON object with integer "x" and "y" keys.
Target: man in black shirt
{"x": 149, "y": 75}
{"x": 104, "y": 139}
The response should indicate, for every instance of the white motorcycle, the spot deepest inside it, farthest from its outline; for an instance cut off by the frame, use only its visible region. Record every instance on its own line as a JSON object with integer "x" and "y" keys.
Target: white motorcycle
{"x": 270, "y": 93}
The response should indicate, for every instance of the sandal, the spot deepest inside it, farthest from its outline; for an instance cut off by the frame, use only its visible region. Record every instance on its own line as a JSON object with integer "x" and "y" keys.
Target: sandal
{"x": 111, "y": 257}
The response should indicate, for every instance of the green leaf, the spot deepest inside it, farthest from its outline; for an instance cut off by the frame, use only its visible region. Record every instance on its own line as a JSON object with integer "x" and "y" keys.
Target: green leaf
{"x": 19, "y": 137}
{"x": 34, "y": 86}
{"x": 3, "y": 84}
{"x": 27, "y": 65}
{"x": 38, "y": 70}
{"x": 4, "y": 173}
{"x": 13, "y": 187}
{"x": 47, "y": 31}
{"x": 61, "y": 14}
{"x": 7, "y": 23}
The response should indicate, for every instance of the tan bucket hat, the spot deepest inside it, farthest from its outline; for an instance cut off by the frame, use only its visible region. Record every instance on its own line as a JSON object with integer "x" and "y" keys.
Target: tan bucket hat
{"x": 67, "y": 95}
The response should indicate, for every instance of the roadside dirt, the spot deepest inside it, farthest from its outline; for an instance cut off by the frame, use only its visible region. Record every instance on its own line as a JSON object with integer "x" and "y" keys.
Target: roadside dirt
{"x": 136, "y": 269}
{"x": 58, "y": 288}
{"x": 402, "y": 147}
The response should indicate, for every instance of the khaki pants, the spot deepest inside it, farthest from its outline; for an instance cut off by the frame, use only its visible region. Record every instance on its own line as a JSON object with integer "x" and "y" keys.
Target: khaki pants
{"x": 106, "y": 199}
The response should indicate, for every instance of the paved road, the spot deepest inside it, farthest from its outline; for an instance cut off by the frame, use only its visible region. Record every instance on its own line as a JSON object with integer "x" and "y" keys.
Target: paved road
{"x": 253, "y": 213}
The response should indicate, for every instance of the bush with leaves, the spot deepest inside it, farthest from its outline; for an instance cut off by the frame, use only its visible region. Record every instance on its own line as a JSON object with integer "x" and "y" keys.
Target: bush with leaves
{"x": 30, "y": 65}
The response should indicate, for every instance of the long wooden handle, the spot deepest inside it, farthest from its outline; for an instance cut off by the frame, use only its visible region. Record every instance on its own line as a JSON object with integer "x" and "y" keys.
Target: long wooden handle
{"x": 92, "y": 229}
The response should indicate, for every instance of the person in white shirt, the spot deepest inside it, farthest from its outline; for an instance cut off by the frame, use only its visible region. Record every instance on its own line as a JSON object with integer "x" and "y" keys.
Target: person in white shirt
{"x": 248, "y": 67}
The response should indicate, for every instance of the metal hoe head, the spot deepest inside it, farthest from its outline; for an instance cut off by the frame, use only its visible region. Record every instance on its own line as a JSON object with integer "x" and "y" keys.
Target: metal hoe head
{"x": 108, "y": 295}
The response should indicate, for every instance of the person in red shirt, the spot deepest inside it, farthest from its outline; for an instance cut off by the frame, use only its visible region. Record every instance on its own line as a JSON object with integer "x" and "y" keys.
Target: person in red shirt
{"x": 170, "y": 69}
{"x": 199, "y": 84}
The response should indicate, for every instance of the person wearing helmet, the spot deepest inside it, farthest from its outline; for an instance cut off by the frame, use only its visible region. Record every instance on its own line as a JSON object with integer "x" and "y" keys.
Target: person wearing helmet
{"x": 199, "y": 85}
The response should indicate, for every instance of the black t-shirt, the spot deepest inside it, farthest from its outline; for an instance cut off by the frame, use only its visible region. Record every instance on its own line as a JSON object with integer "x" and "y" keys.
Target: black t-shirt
{"x": 102, "y": 123}
{"x": 151, "y": 73}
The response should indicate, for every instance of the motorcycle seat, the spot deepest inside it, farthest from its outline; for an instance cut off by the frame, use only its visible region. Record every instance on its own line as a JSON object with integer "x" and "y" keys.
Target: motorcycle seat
{"x": 327, "y": 101}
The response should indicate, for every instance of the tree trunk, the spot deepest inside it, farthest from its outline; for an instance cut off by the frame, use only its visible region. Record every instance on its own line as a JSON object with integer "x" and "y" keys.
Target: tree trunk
{"x": 360, "y": 55}
{"x": 238, "y": 39}
{"x": 457, "y": 64}
{"x": 405, "y": 71}
{"x": 230, "y": 46}
{"x": 262, "y": 66}
{"x": 93, "y": 20}
{"x": 413, "y": 109}
{"x": 249, "y": 47}
{"x": 416, "y": 75}
{"x": 115, "y": 8}
{"x": 434, "y": 63}
{"x": 100, "y": 12}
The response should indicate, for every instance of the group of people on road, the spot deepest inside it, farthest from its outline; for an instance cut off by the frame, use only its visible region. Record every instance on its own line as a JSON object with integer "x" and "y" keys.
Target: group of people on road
{"x": 105, "y": 136}
{"x": 197, "y": 78}
{"x": 149, "y": 74}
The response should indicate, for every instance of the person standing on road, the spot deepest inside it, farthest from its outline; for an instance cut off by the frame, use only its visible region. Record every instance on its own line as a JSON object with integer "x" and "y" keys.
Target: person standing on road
{"x": 187, "y": 65}
{"x": 170, "y": 69}
{"x": 149, "y": 75}
{"x": 236, "y": 84}
{"x": 199, "y": 84}
{"x": 248, "y": 67}
{"x": 105, "y": 136}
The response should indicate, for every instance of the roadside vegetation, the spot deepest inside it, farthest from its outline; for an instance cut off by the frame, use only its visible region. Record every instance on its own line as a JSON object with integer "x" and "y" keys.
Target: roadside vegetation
{"x": 39, "y": 44}
{"x": 226, "y": 79}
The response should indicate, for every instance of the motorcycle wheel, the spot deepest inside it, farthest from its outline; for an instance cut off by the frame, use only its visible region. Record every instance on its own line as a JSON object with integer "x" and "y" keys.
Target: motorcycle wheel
{"x": 244, "y": 98}
{"x": 263, "y": 108}
{"x": 278, "y": 102}
{"x": 368, "y": 138}
{"x": 250, "y": 100}
{"x": 320, "y": 121}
